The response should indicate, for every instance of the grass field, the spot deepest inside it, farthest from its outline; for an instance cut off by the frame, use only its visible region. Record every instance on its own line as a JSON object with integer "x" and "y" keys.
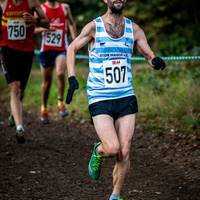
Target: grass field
{"x": 168, "y": 100}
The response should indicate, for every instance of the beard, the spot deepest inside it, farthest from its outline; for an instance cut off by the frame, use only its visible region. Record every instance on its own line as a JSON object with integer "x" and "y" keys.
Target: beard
{"x": 116, "y": 9}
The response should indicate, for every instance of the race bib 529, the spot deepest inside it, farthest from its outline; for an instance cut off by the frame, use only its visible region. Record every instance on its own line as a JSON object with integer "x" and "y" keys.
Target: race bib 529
{"x": 54, "y": 38}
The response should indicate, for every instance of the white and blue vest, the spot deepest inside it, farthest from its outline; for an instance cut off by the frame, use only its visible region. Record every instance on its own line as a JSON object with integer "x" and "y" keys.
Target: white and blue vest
{"x": 110, "y": 71}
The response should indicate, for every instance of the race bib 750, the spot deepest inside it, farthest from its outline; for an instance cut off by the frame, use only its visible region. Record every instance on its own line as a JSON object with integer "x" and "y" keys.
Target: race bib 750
{"x": 16, "y": 29}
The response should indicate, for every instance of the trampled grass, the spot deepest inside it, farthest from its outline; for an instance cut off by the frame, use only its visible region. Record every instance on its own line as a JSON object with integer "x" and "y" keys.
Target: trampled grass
{"x": 168, "y": 100}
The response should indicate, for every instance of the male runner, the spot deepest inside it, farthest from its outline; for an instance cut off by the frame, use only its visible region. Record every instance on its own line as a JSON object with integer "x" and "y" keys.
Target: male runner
{"x": 17, "y": 34}
{"x": 112, "y": 103}
{"x": 53, "y": 52}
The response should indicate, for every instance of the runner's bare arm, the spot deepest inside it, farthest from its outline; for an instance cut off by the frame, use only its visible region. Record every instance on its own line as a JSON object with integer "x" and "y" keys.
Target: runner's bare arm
{"x": 71, "y": 24}
{"x": 39, "y": 29}
{"x": 141, "y": 44}
{"x": 3, "y": 4}
{"x": 41, "y": 19}
{"x": 2, "y": 1}
{"x": 0, "y": 17}
{"x": 86, "y": 36}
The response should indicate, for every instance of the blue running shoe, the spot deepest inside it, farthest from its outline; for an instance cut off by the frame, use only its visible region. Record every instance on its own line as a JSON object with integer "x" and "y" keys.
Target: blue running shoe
{"x": 115, "y": 197}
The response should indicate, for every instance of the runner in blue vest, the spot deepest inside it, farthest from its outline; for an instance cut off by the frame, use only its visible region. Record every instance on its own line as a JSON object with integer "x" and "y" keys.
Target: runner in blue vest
{"x": 112, "y": 102}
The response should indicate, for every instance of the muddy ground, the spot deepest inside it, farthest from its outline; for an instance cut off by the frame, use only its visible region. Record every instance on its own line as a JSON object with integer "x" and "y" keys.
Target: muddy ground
{"x": 52, "y": 164}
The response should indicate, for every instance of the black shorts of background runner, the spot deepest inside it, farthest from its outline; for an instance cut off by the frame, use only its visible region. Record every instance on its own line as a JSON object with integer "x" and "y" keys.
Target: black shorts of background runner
{"x": 48, "y": 58}
{"x": 17, "y": 65}
{"x": 115, "y": 108}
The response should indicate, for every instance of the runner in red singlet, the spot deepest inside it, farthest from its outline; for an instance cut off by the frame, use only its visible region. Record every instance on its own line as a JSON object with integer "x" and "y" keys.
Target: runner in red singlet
{"x": 53, "y": 52}
{"x": 17, "y": 50}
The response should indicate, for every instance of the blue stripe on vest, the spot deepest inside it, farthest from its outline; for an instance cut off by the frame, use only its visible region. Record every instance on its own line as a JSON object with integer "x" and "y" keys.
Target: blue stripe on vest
{"x": 96, "y": 60}
{"x": 100, "y": 29}
{"x": 128, "y": 30}
{"x": 110, "y": 95}
{"x": 128, "y": 21}
{"x": 96, "y": 70}
{"x": 98, "y": 89}
{"x": 98, "y": 19}
{"x": 96, "y": 80}
{"x": 107, "y": 39}
{"x": 114, "y": 50}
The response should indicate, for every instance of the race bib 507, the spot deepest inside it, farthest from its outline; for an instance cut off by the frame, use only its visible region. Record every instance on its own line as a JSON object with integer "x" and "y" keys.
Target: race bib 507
{"x": 115, "y": 73}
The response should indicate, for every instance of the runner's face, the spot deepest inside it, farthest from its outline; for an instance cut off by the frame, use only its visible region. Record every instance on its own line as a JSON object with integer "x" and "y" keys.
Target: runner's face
{"x": 116, "y": 6}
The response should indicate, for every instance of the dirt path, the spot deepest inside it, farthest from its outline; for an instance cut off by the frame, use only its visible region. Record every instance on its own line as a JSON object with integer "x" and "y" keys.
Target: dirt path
{"x": 52, "y": 165}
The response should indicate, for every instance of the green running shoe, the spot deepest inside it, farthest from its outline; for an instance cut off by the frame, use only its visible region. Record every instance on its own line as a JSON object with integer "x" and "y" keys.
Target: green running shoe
{"x": 94, "y": 166}
{"x": 11, "y": 121}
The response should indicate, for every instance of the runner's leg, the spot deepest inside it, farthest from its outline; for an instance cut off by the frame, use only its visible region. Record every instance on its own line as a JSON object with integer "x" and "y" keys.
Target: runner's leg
{"x": 46, "y": 84}
{"x": 109, "y": 145}
{"x": 15, "y": 102}
{"x": 105, "y": 129}
{"x": 60, "y": 72}
{"x": 125, "y": 127}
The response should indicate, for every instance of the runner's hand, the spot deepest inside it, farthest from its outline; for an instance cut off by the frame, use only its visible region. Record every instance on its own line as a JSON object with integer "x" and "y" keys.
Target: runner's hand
{"x": 51, "y": 28}
{"x": 28, "y": 17}
{"x": 158, "y": 63}
{"x": 73, "y": 85}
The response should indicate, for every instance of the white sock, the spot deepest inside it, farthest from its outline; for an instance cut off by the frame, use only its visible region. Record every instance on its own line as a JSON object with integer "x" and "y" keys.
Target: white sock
{"x": 19, "y": 127}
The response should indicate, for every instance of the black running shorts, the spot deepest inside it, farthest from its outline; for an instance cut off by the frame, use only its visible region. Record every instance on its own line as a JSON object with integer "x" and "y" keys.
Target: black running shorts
{"x": 116, "y": 108}
{"x": 48, "y": 58}
{"x": 17, "y": 65}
